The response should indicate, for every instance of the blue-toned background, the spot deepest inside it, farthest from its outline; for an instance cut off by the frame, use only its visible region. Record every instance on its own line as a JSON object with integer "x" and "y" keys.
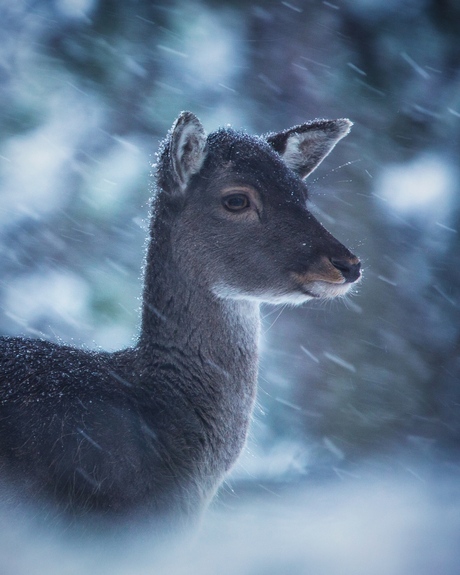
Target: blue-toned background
{"x": 354, "y": 449}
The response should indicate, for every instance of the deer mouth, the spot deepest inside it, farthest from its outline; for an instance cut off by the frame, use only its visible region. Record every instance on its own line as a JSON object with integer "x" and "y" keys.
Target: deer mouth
{"x": 321, "y": 289}
{"x": 317, "y": 287}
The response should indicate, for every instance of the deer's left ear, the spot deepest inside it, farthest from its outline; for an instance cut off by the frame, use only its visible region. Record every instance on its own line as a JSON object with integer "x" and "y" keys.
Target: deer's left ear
{"x": 304, "y": 147}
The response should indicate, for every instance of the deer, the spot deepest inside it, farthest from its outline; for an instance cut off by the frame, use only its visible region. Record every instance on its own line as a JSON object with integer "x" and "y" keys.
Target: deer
{"x": 154, "y": 429}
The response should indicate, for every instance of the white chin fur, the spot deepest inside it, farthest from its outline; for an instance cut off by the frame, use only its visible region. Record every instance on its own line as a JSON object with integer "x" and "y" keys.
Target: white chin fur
{"x": 314, "y": 290}
{"x": 328, "y": 290}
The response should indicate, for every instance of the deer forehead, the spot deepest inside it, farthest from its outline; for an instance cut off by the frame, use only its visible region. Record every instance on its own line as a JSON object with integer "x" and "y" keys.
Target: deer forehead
{"x": 251, "y": 165}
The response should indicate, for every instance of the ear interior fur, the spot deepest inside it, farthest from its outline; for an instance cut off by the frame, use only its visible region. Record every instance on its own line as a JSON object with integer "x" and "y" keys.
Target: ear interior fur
{"x": 187, "y": 148}
{"x": 304, "y": 147}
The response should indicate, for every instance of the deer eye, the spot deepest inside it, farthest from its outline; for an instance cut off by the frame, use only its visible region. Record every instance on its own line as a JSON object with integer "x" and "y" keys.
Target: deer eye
{"x": 236, "y": 202}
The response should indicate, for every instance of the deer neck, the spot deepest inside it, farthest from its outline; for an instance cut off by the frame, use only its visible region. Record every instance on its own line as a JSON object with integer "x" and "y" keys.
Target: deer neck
{"x": 183, "y": 310}
{"x": 179, "y": 313}
{"x": 213, "y": 341}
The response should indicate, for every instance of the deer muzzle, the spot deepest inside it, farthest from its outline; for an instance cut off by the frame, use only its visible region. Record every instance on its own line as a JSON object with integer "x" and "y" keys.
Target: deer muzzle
{"x": 329, "y": 277}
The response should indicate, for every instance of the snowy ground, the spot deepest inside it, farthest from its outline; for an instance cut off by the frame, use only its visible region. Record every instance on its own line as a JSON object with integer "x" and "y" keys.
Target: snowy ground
{"x": 401, "y": 523}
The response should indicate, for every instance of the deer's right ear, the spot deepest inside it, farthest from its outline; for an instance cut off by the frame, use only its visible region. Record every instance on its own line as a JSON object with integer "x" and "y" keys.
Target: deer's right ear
{"x": 304, "y": 147}
{"x": 184, "y": 152}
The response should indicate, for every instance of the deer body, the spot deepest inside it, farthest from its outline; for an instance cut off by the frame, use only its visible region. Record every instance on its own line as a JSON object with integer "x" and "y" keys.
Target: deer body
{"x": 155, "y": 428}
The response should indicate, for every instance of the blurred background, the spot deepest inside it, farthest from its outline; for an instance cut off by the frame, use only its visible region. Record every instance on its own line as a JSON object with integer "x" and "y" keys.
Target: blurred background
{"x": 354, "y": 448}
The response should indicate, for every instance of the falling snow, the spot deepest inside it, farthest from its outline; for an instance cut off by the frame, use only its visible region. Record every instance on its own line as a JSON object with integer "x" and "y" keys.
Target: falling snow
{"x": 354, "y": 447}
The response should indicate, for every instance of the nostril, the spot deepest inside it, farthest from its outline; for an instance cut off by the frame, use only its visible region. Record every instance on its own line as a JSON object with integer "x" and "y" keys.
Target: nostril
{"x": 350, "y": 269}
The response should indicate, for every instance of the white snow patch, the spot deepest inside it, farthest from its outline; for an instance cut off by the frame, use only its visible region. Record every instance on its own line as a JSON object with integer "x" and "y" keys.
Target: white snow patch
{"x": 424, "y": 185}
{"x": 36, "y": 165}
{"x": 48, "y": 294}
{"x": 109, "y": 182}
{"x": 75, "y": 9}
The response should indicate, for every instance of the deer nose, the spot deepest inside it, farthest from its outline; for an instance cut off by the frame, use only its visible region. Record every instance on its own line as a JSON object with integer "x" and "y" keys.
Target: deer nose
{"x": 349, "y": 268}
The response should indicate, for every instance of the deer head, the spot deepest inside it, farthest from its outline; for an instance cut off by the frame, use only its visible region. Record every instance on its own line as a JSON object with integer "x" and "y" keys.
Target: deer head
{"x": 241, "y": 226}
